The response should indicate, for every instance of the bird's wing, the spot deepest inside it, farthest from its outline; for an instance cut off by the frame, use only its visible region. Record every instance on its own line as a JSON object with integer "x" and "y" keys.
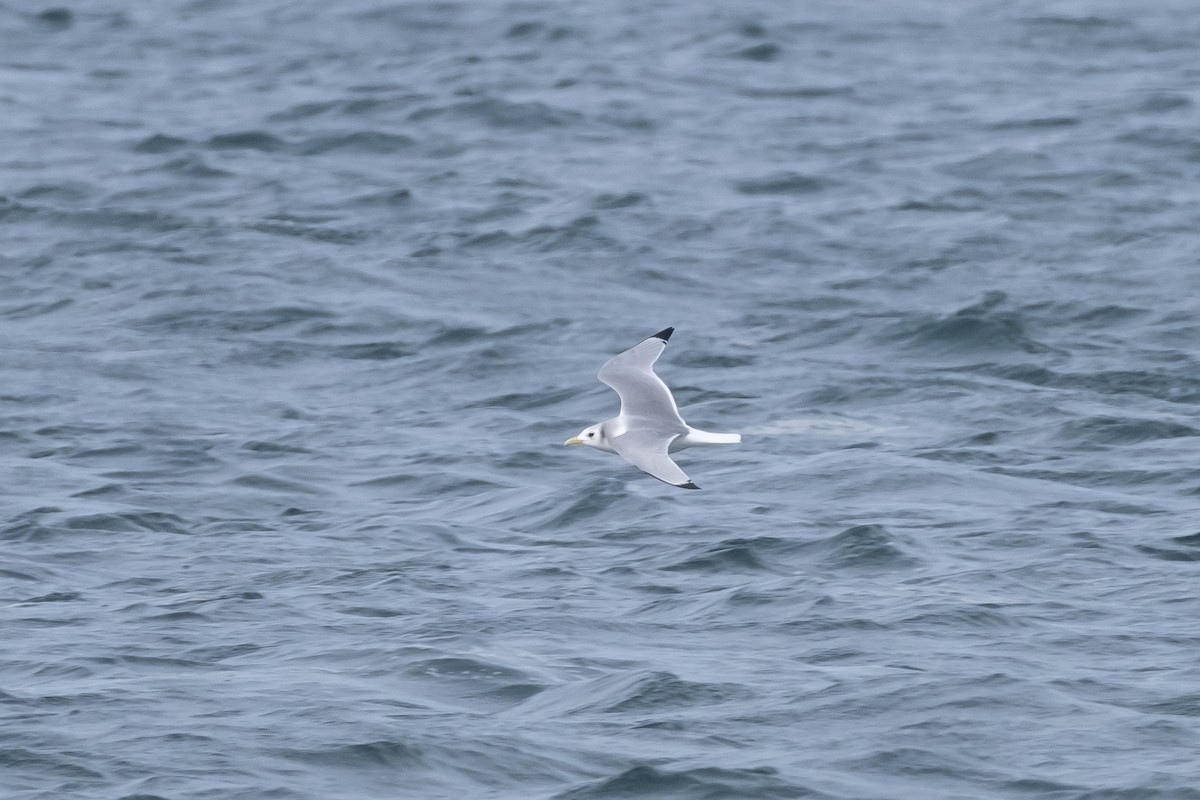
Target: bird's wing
{"x": 643, "y": 394}
{"x": 647, "y": 450}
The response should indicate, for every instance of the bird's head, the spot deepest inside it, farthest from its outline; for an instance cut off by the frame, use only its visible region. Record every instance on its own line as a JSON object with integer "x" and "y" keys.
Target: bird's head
{"x": 590, "y": 436}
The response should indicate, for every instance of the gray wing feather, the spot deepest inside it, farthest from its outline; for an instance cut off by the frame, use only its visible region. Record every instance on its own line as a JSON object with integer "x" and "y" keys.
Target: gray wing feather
{"x": 647, "y": 450}
{"x": 643, "y": 394}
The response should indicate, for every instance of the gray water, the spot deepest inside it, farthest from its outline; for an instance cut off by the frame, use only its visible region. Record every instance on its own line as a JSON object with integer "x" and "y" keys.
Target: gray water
{"x": 300, "y": 300}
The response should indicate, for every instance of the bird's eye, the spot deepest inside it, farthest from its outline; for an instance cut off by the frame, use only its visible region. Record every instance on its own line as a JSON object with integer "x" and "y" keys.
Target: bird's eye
{"x": 590, "y": 435}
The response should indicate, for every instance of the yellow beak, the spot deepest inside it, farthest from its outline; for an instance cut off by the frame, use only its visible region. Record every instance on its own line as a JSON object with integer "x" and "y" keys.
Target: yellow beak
{"x": 574, "y": 440}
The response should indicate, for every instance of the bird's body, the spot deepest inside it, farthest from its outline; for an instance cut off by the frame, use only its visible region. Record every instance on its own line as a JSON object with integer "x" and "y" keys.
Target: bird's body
{"x": 649, "y": 426}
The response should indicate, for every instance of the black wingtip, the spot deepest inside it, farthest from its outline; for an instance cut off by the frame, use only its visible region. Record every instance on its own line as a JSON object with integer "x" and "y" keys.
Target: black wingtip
{"x": 664, "y": 334}
{"x": 688, "y": 485}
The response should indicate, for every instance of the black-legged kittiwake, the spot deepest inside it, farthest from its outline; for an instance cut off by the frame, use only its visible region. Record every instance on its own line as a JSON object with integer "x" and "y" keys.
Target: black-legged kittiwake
{"x": 649, "y": 427}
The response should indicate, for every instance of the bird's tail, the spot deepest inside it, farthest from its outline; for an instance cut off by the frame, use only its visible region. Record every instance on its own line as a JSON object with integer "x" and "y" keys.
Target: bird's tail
{"x": 695, "y": 437}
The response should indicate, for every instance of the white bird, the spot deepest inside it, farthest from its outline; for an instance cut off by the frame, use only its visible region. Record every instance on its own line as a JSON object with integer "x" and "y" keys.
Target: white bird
{"x": 649, "y": 427}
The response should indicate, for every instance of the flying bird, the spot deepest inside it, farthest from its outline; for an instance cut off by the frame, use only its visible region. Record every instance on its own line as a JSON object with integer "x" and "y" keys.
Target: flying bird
{"x": 649, "y": 427}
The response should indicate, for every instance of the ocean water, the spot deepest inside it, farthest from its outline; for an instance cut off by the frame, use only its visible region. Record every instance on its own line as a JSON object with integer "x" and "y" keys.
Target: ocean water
{"x": 298, "y": 302}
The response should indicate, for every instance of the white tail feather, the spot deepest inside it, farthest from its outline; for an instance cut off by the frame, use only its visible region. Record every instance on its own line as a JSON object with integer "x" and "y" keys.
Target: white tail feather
{"x": 695, "y": 437}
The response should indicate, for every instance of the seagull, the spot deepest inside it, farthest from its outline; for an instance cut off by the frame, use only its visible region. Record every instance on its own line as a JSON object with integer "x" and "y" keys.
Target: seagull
{"x": 649, "y": 427}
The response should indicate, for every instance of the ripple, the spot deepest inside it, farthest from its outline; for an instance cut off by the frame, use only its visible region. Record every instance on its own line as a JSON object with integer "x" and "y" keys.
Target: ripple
{"x": 371, "y": 142}
{"x": 651, "y": 781}
{"x": 502, "y": 114}
{"x": 782, "y": 183}
{"x": 633, "y": 694}
{"x": 365, "y": 755}
{"x": 864, "y": 546}
{"x": 246, "y": 140}
{"x": 161, "y": 143}
{"x": 1106, "y": 430}
{"x": 980, "y": 330}
{"x": 765, "y": 51}
{"x": 736, "y": 555}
